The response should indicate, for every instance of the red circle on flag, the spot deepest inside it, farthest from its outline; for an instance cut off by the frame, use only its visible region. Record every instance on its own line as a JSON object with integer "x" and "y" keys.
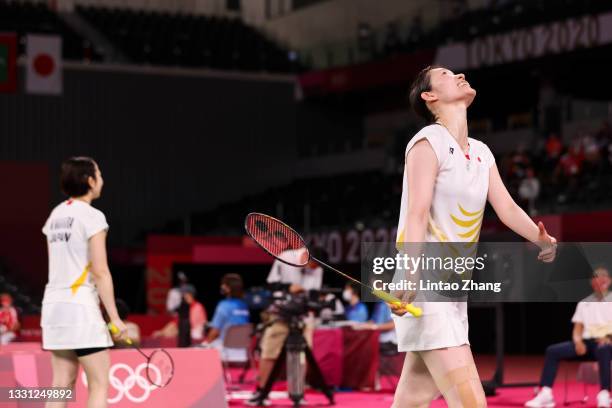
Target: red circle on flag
{"x": 44, "y": 64}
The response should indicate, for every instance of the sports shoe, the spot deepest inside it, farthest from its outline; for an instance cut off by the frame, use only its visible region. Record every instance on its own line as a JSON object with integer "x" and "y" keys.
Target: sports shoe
{"x": 257, "y": 401}
{"x": 544, "y": 399}
{"x": 603, "y": 399}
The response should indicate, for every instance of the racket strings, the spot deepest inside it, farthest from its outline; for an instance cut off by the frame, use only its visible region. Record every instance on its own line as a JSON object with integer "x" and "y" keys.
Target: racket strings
{"x": 160, "y": 368}
{"x": 273, "y": 235}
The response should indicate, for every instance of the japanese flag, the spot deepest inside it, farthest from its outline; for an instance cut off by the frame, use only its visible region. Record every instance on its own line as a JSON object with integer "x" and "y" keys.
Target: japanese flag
{"x": 44, "y": 74}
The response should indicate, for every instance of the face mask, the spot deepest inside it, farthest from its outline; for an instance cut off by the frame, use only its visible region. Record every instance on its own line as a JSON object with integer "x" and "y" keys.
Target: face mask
{"x": 347, "y": 295}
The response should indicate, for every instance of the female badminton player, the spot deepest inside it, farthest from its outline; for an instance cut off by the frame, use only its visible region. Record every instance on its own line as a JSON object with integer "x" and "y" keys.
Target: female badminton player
{"x": 448, "y": 178}
{"x": 72, "y": 325}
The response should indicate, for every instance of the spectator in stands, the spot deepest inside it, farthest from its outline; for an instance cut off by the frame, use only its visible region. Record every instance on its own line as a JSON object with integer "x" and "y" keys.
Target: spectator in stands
{"x": 355, "y": 311}
{"x": 9, "y": 321}
{"x": 591, "y": 339}
{"x": 133, "y": 331}
{"x": 553, "y": 147}
{"x": 593, "y": 164}
{"x": 529, "y": 190}
{"x": 590, "y": 147}
{"x": 568, "y": 172}
{"x": 175, "y": 295}
{"x": 229, "y": 312}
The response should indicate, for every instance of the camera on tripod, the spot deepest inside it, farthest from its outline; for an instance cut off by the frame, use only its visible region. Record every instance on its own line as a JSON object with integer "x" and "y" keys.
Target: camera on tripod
{"x": 292, "y": 307}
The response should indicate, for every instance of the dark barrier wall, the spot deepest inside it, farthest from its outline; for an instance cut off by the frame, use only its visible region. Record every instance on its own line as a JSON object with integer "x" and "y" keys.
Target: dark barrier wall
{"x": 167, "y": 144}
{"x": 23, "y": 211}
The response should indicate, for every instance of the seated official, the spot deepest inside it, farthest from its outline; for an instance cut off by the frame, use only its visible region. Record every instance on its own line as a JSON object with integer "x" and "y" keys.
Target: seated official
{"x": 590, "y": 340}
{"x": 229, "y": 312}
{"x": 355, "y": 311}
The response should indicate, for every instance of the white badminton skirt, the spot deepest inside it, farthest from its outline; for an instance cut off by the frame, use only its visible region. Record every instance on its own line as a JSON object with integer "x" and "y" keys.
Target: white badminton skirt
{"x": 443, "y": 324}
{"x": 69, "y": 326}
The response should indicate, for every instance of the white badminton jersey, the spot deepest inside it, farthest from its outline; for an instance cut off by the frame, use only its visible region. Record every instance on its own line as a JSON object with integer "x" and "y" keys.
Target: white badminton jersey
{"x": 456, "y": 213}
{"x": 68, "y": 230}
{"x": 71, "y": 316}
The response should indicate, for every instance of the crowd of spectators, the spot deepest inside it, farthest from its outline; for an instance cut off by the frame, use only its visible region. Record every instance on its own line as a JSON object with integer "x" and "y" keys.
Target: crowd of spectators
{"x": 561, "y": 173}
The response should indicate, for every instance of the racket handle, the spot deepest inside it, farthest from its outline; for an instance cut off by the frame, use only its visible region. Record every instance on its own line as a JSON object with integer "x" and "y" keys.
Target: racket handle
{"x": 115, "y": 330}
{"x": 389, "y": 298}
{"x": 412, "y": 309}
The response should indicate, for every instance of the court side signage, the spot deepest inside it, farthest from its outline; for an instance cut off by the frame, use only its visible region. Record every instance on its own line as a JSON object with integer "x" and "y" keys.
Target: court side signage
{"x": 530, "y": 42}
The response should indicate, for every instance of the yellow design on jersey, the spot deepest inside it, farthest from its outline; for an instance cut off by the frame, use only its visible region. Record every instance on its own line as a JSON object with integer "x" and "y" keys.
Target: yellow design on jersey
{"x": 464, "y": 223}
{"x": 476, "y": 219}
{"x": 81, "y": 279}
{"x": 474, "y": 233}
{"x": 435, "y": 230}
{"x": 467, "y": 213}
{"x": 471, "y": 232}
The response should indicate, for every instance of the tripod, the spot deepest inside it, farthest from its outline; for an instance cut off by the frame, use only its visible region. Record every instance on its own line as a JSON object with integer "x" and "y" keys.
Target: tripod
{"x": 292, "y": 350}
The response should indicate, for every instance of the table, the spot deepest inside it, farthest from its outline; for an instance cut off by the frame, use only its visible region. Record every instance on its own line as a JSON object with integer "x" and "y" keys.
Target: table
{"x": 347, "y": 357}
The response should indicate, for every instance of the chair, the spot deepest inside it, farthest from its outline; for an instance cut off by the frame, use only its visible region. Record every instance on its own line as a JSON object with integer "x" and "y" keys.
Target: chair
{"x": 588, "y": 373}
{"x": 237, "y": 337}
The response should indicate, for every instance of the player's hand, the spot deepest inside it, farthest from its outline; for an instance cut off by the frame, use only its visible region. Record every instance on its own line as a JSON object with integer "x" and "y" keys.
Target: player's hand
{"x": 548, "y": 245}
{"x": 398, "y": 309}
{"x": 295, "y": 288}
{"x": 580, "y": 348}
{"x": 121, "y": 332}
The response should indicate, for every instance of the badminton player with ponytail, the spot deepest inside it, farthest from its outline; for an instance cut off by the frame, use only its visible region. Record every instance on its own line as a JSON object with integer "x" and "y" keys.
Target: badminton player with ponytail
{"x": 448, "y": 179}
{"x": 72, "y": 325}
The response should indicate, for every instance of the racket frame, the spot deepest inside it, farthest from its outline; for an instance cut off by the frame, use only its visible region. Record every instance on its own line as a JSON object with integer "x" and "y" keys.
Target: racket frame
{"x": 387, "y": 297}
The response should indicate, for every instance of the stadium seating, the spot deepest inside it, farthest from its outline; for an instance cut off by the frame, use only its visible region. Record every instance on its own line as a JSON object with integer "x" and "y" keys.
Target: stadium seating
{"x": 22, "y": 301}
{"x": 579, "y": 178}
{"x": 188, "y": 40}
{"x": 24, "y": 17}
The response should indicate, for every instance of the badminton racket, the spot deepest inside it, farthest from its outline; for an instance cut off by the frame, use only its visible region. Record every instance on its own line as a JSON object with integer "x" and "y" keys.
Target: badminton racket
{"x": 160, "y": 366}
{"x": 285, "y": 244}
